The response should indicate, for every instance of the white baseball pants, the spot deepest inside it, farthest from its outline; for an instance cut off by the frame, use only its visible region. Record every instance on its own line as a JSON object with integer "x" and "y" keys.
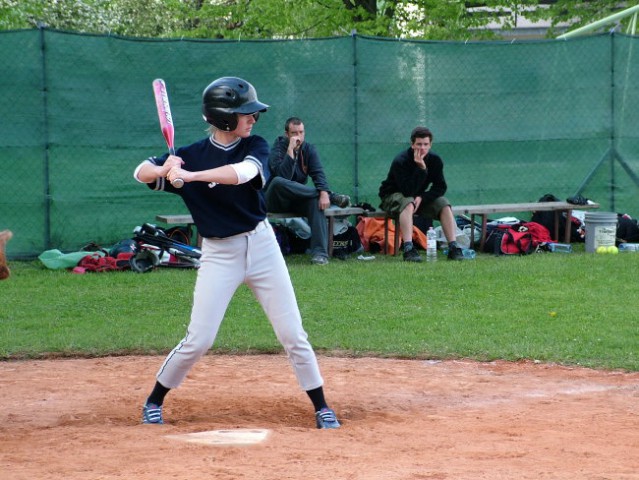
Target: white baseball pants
{"x": 253, "y": 258}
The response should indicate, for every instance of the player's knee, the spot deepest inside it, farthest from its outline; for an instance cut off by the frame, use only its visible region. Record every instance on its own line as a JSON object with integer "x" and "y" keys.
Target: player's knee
{"x": 199, "y": 344}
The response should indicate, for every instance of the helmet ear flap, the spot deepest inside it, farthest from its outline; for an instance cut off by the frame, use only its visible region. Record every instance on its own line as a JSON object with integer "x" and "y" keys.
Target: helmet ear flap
{"x": 220, "y": 120}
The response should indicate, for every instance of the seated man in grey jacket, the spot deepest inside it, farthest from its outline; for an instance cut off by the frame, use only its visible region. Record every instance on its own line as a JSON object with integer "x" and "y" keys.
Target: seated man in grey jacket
{"x": 292, "y": 160}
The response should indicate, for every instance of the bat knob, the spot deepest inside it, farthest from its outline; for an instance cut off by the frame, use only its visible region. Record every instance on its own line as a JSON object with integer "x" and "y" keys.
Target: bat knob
{"x": 178, "y": 183}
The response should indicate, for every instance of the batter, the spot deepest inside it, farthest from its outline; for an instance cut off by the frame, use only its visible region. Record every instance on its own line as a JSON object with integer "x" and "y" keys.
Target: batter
{"x": 223, "y": 179}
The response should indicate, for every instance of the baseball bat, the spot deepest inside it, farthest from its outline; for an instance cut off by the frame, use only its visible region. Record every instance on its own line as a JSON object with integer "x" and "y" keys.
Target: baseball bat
{"x": 166, "y": 120}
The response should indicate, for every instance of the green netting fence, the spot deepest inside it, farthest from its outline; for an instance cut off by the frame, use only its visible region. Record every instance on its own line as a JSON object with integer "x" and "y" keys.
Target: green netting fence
{"x": 512, "y": 121}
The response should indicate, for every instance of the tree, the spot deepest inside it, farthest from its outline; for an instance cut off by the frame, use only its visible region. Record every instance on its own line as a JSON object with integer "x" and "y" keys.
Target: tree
{"x": 151, "y": 18}
{"x": 248, "y": 19}
{"x": 580, "y": 13}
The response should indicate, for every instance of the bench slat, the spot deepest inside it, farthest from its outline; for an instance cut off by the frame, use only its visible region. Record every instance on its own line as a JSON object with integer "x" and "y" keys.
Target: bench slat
{"x": 331, "y": 213}
{"x": 482, "y": 210}
{"x": 519, "y": 207}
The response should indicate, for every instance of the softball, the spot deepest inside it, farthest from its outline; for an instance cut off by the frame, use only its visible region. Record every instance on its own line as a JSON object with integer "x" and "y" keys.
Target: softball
{"x": 612, "y": 249}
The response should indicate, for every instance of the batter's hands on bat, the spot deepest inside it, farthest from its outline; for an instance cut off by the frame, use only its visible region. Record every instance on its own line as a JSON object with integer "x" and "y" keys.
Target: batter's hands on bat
{"x": 178, "y": 172}
{"x": 172, "y": 162}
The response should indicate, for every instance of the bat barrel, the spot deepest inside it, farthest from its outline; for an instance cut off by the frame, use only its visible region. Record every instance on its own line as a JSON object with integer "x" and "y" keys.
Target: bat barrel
{"x": 166, "y": 120}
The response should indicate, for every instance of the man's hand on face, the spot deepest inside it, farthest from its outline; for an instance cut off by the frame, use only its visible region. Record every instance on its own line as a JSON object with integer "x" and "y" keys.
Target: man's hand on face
{"x": 295, "y": 136}
{"x": 421, "y": 147}
{"x": 294, "y": 144}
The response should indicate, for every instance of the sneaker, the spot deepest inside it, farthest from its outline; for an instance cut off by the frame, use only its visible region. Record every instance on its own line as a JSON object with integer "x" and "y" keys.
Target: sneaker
{"x": 342, "y": 201}
{"x": 326, "y": 418}
{"x": 319, "y": 260}
{"x": 412, "y": 256}
{"x": 455, "y": 254}
{"x": 151, "y": 413}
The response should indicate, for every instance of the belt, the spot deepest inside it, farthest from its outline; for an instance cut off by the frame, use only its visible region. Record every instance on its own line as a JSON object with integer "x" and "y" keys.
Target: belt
{"x": 259, "y": 227}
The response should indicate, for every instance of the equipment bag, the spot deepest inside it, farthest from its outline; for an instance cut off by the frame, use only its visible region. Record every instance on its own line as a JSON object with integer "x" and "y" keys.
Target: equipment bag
{"x": 181, "y": 255}
{"x": 95, "y": 262}
{"x": 346, "y": 243}
{"x": 509, "y": 240}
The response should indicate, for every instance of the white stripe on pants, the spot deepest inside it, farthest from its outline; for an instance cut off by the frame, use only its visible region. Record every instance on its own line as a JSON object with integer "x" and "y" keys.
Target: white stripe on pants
{"x": 253, "y": 258}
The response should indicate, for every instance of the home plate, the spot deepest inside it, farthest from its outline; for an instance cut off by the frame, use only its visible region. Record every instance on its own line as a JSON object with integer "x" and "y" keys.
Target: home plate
{"x": 240, "y": 436}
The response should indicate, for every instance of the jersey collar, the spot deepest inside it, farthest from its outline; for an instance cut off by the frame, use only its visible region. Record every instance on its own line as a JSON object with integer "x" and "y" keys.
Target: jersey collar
{"x": 222, "y": 146}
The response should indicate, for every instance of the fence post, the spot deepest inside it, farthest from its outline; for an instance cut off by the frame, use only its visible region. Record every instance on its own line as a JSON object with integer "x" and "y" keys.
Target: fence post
{"x": 45, "y": 143}
{"x": 355, "y": 120}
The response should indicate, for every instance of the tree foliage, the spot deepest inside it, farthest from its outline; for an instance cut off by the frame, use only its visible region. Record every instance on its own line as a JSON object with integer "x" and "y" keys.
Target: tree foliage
{"x": 267, "y": 19}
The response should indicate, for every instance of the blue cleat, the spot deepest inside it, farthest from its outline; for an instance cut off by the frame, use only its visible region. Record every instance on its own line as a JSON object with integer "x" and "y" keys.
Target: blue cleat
{"x": 326, "y": 418}
{"x": 152, "y": 413}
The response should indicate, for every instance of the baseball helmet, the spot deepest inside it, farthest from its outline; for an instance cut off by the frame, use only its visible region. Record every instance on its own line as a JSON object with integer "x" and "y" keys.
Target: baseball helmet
{"x": 226, "y": 97}
{"x": 124, "y": 246}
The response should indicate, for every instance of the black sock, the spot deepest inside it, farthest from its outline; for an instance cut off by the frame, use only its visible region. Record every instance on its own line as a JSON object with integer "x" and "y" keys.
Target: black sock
{"x": 408, "y": 246}
{"x": 158, "y": 394}
{"x": 317, "y": 397}
{"x": 452, "y": 245}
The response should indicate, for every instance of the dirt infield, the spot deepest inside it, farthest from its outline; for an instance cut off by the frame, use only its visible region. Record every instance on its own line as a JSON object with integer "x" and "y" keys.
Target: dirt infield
{"x": 79, "y": 419}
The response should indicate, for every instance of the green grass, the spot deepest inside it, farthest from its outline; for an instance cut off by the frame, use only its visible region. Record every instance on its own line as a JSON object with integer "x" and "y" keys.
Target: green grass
{"x": 489, "y": 308}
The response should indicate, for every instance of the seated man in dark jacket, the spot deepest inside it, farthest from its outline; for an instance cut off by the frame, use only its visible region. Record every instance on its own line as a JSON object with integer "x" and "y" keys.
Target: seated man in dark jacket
{"x": 291, "y": 162}
{"x": 415, "y": 185}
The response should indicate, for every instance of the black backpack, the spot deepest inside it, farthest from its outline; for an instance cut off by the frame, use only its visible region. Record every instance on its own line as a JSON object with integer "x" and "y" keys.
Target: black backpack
{"x": 346, "y": 243}
{"x": 547, "y": 219}
{"x": 282, "y": 236}
{"x": 627, "y": 229}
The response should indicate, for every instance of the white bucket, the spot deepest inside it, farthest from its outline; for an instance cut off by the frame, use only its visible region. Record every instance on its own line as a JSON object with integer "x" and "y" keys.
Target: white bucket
{"x": 601, "y": 230}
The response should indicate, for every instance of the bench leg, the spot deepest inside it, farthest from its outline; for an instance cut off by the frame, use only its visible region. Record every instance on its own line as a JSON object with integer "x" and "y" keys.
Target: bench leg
{"x": 395, "y": 220}
{"x": 329, "y": 247}
{"x": 386, "y": 218}
{"x": 568, "y": 231}
{"x": 484, "y": 228}
{"x": 472, "y": 230}
{"x": 568, "y": 227}
{"x": 397, "y": 235}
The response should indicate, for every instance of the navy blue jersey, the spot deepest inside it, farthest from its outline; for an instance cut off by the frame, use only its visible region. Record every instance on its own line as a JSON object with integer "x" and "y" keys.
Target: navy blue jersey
{"x": 221, "y": 210}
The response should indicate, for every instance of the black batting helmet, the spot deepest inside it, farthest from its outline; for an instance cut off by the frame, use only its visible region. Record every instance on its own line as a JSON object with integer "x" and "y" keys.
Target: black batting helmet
{"x": 227, "y": 96}
{"x": 124, "y": 246}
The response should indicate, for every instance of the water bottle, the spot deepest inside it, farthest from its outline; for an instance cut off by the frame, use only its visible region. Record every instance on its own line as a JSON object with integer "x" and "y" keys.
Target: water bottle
{"x": 431, "y": 245}
{"x": 469, "y": 253}
{"x": 629, "y": 247}
{"x": 560, "y": 247}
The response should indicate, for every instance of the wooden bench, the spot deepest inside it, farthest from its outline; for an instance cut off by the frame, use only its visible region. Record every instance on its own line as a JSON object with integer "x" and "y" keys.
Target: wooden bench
{"x": 484, "y": 210}
{"x": 331, "y": 214}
